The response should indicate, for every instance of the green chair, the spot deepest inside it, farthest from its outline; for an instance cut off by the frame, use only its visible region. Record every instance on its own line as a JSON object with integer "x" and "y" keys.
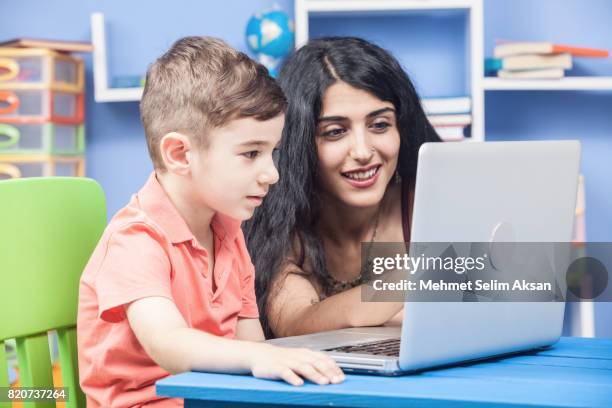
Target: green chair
{"x": 48, "y": 230}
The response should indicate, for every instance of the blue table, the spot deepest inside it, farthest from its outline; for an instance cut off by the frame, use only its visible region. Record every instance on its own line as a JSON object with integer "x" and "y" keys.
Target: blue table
{"x": 575, "y": 372}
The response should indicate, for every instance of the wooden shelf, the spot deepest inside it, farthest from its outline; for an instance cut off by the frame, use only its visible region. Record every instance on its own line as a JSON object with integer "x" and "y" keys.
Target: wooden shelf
{"x": 562, "y": 84}
{"x": 118, "y": 95}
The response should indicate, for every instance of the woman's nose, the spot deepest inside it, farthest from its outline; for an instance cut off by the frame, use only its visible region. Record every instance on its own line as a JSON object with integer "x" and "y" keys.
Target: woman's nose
{"x": 361, "y": 150}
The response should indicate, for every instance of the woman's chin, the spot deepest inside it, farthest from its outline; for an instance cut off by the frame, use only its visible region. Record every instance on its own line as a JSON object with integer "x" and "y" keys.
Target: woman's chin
{"x": 364, "y": 199}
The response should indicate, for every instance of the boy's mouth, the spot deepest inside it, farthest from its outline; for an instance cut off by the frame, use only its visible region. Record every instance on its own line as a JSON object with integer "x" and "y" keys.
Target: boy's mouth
{"x": 256, "y": 199}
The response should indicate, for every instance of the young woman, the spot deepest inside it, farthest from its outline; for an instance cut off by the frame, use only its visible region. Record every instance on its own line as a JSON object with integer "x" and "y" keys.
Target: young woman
{"x": 347, "y": 168}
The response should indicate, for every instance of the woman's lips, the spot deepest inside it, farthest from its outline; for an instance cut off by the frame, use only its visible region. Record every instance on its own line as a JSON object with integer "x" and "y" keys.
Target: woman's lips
{"x": 362, "y": 179}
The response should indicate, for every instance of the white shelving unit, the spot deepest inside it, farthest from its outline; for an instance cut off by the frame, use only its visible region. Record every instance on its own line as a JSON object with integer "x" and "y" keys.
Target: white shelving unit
{"x": 102, "y": 93}
{"x": 477, "y": 84}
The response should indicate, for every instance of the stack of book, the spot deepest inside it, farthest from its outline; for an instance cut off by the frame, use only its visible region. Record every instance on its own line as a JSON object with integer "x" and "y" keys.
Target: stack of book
{"x": 451, "y": 117}
{"x": 524, "y": 60}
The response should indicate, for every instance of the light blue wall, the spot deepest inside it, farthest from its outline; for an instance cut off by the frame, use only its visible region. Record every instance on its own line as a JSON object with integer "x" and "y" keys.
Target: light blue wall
{"x": 562, "y": 115}
{"x": 431, "y": 51}
{"x": 430, "y": 47}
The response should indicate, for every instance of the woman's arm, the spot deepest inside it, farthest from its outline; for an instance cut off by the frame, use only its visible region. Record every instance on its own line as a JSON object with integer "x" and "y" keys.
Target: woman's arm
{"x": 396, "y": 320}
{"x": 294, "y": 308}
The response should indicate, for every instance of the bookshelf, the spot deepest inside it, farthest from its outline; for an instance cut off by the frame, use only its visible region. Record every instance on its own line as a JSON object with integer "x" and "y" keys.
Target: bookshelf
{"x": 477, "y": 85}
{"x": 104, "y": 93}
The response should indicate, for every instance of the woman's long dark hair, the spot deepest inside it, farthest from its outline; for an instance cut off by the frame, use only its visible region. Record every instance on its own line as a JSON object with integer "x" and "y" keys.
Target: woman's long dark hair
{"x": 290, "y": 210}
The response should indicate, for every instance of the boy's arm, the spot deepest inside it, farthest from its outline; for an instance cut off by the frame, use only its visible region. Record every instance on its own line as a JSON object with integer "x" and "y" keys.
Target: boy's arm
{"x": 165, "y": 336}
{"x": 249, "y": 329}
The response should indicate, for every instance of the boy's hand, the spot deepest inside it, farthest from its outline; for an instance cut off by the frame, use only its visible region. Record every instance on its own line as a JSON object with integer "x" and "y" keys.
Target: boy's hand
{"x": 290, "y": 364}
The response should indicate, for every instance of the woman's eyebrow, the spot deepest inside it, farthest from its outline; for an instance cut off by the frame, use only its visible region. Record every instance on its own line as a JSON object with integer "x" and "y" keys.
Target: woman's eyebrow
{"x": 341, "y": 118}
{"x": 379, "y": 111}
{"x": 332, "y": 118}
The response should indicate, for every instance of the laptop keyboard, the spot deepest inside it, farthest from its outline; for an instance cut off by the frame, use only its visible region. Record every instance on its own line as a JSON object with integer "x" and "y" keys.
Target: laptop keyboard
{"x": 388, "y": 347}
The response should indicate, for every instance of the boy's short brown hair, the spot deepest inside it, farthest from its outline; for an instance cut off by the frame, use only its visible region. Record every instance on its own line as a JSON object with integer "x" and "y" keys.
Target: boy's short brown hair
{"x": 203, "y": 83}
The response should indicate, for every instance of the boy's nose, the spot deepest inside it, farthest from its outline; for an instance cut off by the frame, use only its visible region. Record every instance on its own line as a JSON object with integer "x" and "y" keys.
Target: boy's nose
{"x": 270, "y": 176}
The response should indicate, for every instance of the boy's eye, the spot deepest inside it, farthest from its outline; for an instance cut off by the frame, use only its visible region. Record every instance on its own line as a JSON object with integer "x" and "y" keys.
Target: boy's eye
{"x": 251, "y": 155}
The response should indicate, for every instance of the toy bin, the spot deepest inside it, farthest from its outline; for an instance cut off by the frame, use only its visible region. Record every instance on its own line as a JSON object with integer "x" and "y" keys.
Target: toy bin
{"x": 41, "y": 139}
{"x": 16, "y": 166}
{"x": 40, "y": 69}
{"x": 39, "y": 106}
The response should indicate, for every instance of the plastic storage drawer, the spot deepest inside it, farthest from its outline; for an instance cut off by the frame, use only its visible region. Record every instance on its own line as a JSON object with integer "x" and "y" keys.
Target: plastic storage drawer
{"x": 15, "y": 166}
{"x": 40, "y": 106}
{"x": 40, "y": 69}
{"x": 41, "y": 139}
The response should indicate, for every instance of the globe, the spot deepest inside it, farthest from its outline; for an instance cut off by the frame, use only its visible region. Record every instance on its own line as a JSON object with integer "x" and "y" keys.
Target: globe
{"x": 270, "y": 33}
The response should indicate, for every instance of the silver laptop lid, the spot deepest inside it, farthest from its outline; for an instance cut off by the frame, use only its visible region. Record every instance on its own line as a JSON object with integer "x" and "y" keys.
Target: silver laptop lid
{"x": 464, "y": 192}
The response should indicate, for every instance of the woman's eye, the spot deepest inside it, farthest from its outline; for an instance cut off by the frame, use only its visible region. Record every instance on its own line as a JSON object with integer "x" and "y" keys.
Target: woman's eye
{"x": 380, "y": 126}
{"x": 333, "y": 133}
{"x": 251, "y": 155}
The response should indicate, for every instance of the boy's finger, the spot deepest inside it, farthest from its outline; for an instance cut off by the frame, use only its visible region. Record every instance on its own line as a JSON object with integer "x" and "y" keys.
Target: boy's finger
{"x": 330, "y": 363}
{"x": 308, "y": 371}
{"x": 328, "y": 367}
{"x": 290, "y": 377}
{"x": 334, "y": 365}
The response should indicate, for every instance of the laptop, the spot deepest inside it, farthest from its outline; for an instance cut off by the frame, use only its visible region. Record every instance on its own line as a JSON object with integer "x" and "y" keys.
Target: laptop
{"x": 464, "y": 192}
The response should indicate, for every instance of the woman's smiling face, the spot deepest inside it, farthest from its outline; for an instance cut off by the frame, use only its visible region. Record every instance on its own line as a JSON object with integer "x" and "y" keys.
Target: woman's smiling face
{"x": 358, "y": 145}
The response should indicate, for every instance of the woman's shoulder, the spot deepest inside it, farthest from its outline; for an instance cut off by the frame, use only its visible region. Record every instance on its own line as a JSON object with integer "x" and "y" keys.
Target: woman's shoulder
{"x": 296, "y": 262}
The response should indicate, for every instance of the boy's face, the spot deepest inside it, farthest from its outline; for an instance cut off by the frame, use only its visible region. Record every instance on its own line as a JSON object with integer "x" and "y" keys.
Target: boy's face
{"x": 233, "y": 173}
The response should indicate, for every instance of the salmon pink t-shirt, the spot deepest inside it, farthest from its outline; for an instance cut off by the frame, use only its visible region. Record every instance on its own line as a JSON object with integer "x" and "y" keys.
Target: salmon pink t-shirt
{"x": 148, "y": 250}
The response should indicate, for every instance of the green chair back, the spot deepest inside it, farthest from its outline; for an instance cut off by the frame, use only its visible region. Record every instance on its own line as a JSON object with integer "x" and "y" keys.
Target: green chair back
{"x": 49, "y": 227}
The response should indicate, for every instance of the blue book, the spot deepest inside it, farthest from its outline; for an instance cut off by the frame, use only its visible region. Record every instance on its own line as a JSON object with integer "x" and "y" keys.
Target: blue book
{"x": 529, "y": 62}
{"x": 493, "y": 64}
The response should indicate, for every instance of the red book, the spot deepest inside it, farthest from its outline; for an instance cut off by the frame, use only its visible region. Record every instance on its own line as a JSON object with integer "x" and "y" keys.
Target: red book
{"x": 506, "y": 49}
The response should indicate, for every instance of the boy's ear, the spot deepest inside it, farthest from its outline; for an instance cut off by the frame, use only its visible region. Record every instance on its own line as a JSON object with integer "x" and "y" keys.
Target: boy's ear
{"x": 175, "y": 149}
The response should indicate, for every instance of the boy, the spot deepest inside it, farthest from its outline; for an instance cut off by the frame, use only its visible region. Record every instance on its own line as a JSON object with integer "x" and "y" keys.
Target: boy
{"x": 170, "y": 285}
